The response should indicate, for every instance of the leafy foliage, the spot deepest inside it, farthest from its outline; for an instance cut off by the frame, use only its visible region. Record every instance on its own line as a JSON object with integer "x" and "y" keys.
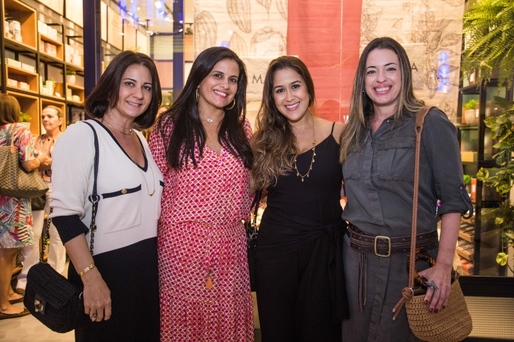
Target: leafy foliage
{"x": 489, "y": 28}
{"x": 502, "y": 177}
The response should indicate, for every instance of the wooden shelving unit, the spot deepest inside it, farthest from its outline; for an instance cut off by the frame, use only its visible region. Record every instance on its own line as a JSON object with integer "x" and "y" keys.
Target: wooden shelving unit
{"x": 37, "y": 55}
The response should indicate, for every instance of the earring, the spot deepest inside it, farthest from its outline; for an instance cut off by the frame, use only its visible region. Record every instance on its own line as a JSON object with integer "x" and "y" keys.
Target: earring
{"x": 233, "y": 105}
{"x": 197, "y": 94}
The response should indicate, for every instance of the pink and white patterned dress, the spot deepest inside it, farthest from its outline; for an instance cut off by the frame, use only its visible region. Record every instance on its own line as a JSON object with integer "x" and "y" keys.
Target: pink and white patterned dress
{"x": 201, "y": 235}
{"x": 15, "y": 213}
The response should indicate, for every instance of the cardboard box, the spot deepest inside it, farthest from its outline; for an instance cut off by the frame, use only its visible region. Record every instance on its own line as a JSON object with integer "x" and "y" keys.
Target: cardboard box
{"x": 468, "y": 156}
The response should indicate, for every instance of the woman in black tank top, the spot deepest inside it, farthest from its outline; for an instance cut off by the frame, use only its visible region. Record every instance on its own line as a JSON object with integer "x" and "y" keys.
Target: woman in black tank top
{"x": 300, "y": 290}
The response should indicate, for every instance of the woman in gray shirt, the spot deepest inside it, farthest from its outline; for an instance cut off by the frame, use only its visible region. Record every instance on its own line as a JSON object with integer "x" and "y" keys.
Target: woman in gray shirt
{"x": 377, "y": 151}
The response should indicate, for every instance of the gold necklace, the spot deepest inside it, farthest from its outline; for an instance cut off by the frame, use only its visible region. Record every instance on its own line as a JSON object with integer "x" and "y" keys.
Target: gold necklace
{"x": 120, "y": 130}
{"x": 144, "y": 177}
{"x": 312, "y": 159}
{"x": 146, "y": 183}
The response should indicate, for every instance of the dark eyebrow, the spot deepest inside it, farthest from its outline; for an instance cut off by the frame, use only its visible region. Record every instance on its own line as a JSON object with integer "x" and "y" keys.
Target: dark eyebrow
{"x": 133, "y": 80}
{"x": 221, "y": 72}
{"x": 294, "y": 82}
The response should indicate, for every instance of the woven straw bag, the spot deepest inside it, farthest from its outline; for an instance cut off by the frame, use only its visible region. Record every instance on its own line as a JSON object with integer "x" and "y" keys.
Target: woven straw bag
{"x": 14, "y": 181}
{"x": 451, "y": 324}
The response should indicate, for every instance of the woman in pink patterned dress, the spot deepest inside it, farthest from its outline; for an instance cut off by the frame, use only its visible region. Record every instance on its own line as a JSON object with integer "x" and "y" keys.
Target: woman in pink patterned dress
{"x": 201, "y": 146}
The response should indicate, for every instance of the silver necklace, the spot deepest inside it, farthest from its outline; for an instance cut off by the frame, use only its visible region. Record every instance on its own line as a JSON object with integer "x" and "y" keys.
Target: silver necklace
{"x": 306, "y": 175}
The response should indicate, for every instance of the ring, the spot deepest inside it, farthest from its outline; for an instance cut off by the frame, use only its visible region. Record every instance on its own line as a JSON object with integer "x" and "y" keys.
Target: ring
{"x": 432, "y": 285}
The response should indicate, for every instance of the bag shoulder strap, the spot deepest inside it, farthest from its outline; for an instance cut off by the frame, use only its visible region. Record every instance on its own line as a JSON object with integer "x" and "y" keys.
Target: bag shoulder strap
{"x": 407, "y": 292}
{"x": 418, "y": 129}
{"x": 94, "y": 198}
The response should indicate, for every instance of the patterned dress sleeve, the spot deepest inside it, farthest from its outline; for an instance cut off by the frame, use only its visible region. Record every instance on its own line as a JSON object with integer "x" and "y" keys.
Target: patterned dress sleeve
{"x": 23, "y": 140}
{"x": 158, "y": 147}
{"x": 248, "y": 128}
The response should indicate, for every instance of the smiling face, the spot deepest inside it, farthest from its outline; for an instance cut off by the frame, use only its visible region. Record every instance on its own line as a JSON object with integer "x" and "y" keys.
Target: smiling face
{"x": 290, "y": 94}
{"x": 50, "y": 119}
{"x": 219, "y": 88}
{"x": 135, "y": 92}
{"x": 383, "y": 79}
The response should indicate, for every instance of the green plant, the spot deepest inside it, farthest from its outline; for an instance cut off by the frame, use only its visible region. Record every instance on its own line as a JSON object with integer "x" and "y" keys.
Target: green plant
{"x": 489, "y": 31}
{"x": 502, "y": 177}
{"x": 471, "y": 104}
{"x": 467, "y": 179}
{"x": 24, "y": 117}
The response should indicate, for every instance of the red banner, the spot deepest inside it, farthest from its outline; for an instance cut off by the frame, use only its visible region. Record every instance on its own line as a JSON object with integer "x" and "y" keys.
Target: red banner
{"x": 325, "y": 35}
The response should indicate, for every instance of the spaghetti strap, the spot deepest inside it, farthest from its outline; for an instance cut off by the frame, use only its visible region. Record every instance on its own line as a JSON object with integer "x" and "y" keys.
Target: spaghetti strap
{"x": 333, "y": 125}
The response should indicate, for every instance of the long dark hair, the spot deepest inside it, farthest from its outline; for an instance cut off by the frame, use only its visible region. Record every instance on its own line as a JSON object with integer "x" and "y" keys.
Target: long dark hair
{"x": 188, "y": 130}
{"x": 106, "y": 92}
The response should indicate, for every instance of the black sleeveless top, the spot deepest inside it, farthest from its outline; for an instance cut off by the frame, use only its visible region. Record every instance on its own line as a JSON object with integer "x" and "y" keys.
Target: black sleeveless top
{"x": 317, "y": 198}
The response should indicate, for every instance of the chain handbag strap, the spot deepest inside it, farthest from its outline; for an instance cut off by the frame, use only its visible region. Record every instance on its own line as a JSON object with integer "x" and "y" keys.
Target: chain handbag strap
{"x": 93, "y": 198}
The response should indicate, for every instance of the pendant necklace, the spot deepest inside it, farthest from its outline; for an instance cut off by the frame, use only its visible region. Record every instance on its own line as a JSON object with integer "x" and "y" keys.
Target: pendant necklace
{"x": 119, "y": 129}
{"x": 150, "y": 193}
{"x": 312, "y": 159}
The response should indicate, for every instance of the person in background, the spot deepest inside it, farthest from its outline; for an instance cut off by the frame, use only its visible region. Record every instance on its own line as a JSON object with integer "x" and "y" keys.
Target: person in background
{"x": 15, "y": 213}
{"x": 377, "y": 153}
{"x": 299, "y": 274}
{"x": 121, "y": 292}
{"x": 52, "y": 119}
{"x": 202, "y": 147}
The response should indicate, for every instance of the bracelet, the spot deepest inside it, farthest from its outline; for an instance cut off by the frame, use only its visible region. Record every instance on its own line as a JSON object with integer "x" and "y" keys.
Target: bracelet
{"x": 87, "y": 269}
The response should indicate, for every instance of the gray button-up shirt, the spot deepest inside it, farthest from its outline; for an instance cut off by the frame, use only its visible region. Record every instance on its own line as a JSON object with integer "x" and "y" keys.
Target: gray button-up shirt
{"x": 379, "y": 177}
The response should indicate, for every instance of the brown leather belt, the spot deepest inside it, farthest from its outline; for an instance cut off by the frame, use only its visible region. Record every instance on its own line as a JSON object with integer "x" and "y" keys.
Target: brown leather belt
{"x": 383, "y": 246}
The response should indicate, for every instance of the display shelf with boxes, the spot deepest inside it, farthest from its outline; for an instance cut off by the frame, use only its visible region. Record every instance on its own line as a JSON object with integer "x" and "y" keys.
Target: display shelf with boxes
{"x": 29, "y": 105}
{"x": 478, "y": 241}
{"x": 19, "y": 25}
{"x": 39, "y": 49}
{"x": 50, "y": 42}
{"x": 21, "y": 77}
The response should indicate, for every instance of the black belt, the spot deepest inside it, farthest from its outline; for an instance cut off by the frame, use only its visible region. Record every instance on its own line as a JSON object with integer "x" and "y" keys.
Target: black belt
{"x": 383, "y": 246}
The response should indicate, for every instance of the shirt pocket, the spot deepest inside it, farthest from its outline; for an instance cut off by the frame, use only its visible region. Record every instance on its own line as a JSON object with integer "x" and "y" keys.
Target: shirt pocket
{"x": 353, "y": 166}
{"x": 395, "y": 160}
{"x": 121, "y": 209}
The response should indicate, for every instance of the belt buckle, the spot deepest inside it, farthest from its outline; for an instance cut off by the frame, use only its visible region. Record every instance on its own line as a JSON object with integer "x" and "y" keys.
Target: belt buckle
{"x": 386, "y": 238}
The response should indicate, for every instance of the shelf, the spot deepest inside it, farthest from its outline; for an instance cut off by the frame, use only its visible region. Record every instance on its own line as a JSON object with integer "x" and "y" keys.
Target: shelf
{"x": 466, "y": 254}
{"x": 466, "y": 236}
{"x": 51, "y": 48}
{"x": 26, "y": 80}
{"x": 27, "y": 18}
{"x": 30, "y": 105}
{"x": 18, "y": 46}
{"x": 75, "y": 93}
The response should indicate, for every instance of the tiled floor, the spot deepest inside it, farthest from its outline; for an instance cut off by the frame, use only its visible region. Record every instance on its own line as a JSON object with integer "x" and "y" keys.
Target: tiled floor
{"x": 29, "y": 329}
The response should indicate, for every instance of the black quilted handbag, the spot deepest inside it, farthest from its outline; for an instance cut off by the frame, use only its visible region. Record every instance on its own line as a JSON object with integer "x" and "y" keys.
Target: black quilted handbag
{"x": 49, "y": 296}
{"x": 52, "y": 299}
